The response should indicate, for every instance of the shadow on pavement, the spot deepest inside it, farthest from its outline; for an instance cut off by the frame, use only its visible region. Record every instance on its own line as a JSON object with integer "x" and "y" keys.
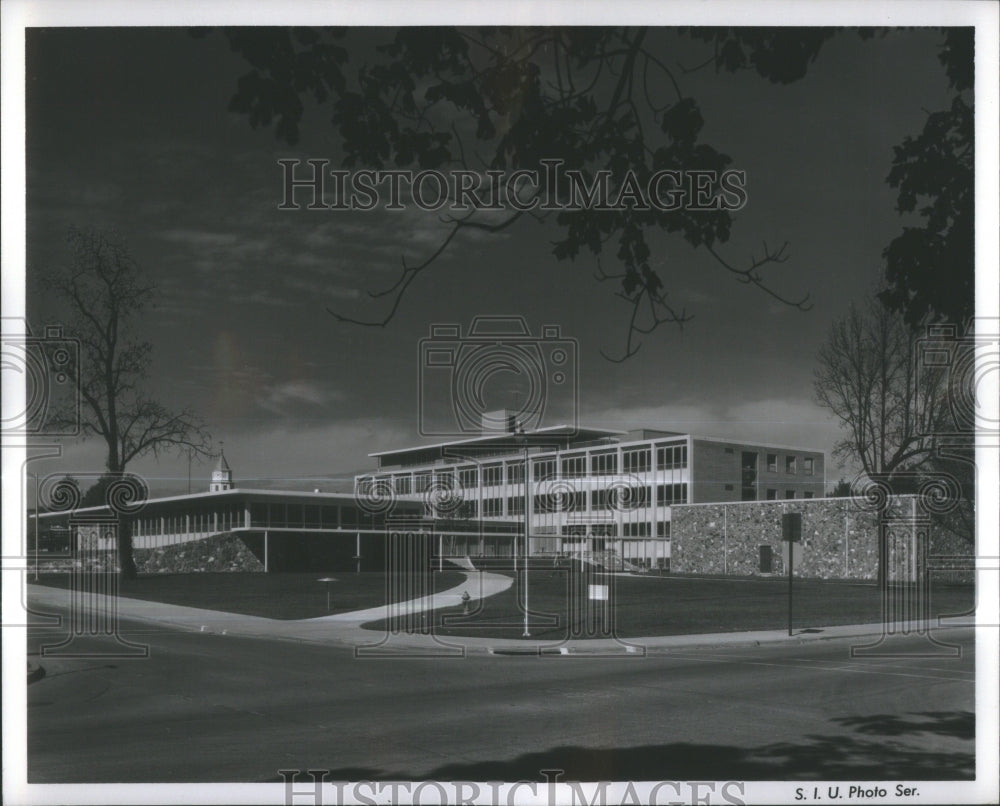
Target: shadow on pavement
{"x": 835, "y": 758}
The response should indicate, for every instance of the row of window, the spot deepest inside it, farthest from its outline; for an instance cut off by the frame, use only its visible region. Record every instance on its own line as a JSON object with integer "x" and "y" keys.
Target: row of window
{"x": 602, "y": 530}
{"x": 791, "y": 464}
{"x": 199, "y": 520}
{"x": 625, "y": 498}
{"x": 605, "y": 464}
{"x": 772, "y": 495}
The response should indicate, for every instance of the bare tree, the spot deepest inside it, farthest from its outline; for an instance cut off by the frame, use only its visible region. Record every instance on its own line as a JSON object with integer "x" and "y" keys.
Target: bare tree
{"x": 893, "y": 410}
{"x": 105, "y": 293}
{"x": 867, "y": 376}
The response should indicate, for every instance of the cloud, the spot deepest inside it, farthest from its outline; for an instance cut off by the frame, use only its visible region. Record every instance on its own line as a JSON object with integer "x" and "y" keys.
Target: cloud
{"x": 281, "y": 397}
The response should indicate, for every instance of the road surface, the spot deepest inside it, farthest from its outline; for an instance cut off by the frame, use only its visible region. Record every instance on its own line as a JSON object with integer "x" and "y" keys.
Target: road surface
{"x": 207, "y": 707}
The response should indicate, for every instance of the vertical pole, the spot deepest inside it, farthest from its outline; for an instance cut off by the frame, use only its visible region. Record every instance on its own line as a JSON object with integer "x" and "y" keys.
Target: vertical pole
{"x": 441, "y": 552}
{"x": 357, "y": 553}
{"x": 791, "y": 555}
{"x": 265, "y": 551}
{"x": 847, "y": 563}
{"x": 527, "y": 529}
{"x": 725, "y": 540}
{"x": 35, "y": 477}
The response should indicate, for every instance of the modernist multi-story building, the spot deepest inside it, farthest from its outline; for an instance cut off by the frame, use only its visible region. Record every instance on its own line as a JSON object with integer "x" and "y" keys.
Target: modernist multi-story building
{"x": 590, "y": 489}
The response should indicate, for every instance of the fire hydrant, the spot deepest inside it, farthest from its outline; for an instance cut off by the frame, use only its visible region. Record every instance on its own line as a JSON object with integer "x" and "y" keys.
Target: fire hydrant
{"x": 465, "y": 602}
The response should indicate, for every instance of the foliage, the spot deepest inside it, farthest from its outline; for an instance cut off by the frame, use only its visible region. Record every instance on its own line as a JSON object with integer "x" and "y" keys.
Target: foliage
{"x": 507, "y": 98}
{"x": 930, "y": 270}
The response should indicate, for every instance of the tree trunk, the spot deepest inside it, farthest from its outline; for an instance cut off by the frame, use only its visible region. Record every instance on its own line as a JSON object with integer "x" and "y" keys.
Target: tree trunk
{"x": 126, "y": 559}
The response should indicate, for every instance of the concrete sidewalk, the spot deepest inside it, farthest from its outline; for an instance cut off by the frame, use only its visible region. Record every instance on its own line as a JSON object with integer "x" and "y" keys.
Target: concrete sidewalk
{"x": 344, "y": 629}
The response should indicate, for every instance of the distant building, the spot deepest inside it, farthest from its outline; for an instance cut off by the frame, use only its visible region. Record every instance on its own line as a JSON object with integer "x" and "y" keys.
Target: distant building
{"x": 589, "y": 489}
{"x": 239, "y": 529}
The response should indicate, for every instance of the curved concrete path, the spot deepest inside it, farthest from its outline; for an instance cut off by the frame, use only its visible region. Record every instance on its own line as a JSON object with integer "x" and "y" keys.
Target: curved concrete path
{"x": 344, "y": 629}
{"x": 478, "y": 584}
{"x": 340, "y": 628}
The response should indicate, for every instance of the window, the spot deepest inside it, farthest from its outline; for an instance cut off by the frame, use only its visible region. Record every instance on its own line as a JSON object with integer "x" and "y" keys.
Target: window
{"x": 492, "y": 507}
{"x": 574, "y": 467}
{"x": 663, "y": 529}
{"x": 772, "y": 463}
{"x": 789, "y": 464}
{"x": 515, "y": 472}
{"x": 566, "y": 501}
{"x": 492, "y": 476}
{"x": 422, "y": 482}
{"x": 807, "y": 495}
{"x": 633, "y": 499}
{"x": 789, "y": 494}
{"x": 669, "y": 494}
{"x": 636, "y": 461}
{"x": 365, "y": 484}
{"x": 258, "y": 515}
{"x": 599, "y": 499}
{"x": 515, "y": 505}
{"x": 729, "y": 487}
{"x": 444, "y": 480}
{"x": 604, "y": 464}
{"x": 669, "y": 457}
{"x": 402, "y": 484}
{"x": 807, "y": 466}
{"x": 636, "y": 529}
{"x": 544, "y": 469}
{"x": 772, "y": 495}
{"x": 330, "y": 518}
{"x": 312, "y": 516}
{"x": 467, "y": 478}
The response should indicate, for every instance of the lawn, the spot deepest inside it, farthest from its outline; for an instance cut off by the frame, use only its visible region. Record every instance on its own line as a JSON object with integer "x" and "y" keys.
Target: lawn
{"x": 679, "y": 605}
{"x": 277, "y": 596}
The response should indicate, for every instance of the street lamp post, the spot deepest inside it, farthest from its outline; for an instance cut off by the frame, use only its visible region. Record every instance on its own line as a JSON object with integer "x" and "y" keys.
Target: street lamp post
{"x": 527, "y": 530}
{"x": 527, "y": 526}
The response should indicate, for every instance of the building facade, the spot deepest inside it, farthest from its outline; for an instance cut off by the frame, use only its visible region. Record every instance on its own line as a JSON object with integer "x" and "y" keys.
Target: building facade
{"x": 230, "y": 528}
{"x": 590, "y": 490}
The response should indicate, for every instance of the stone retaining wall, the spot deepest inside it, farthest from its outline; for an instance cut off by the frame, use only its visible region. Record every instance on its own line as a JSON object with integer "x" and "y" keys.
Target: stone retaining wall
{"x": 218, "y": 553}
{"x": 839, "y": 538}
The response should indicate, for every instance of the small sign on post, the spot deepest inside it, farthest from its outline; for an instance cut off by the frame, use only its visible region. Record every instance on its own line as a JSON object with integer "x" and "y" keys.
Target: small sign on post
{"x": 791, "y": 536}
{"x": 599, "y": 592}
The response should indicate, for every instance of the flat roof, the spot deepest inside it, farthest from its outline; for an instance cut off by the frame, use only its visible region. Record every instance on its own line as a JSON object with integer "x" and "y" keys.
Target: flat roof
{"x": 207, "y": 496}
{"x": 583, "y": 434}
{"x": 537, "y": 436}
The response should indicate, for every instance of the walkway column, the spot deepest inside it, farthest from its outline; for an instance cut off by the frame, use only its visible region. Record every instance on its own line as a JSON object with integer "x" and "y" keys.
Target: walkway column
{"x": 265, "y": 551}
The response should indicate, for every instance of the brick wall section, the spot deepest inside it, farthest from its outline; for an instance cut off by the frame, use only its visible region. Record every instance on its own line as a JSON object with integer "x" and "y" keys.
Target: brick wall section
{"x": 225, "y": 552}
{"x": 714, "y": 468}
{"x": 839, "y": 538}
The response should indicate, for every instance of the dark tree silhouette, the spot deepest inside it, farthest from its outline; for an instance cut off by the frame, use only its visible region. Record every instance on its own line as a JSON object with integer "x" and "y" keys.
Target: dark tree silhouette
{"x": 867, "y": 376}
{"x": 930, "y": 270}
{"x": 894, "y": 411}
{"x": 507, "y": 98}
{"x": 842, "y": 489}
{"x": 105, "y": 293}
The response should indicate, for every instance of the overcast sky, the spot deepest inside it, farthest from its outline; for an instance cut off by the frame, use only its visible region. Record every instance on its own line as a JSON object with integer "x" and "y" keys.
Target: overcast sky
{"x": 129, "y": 128}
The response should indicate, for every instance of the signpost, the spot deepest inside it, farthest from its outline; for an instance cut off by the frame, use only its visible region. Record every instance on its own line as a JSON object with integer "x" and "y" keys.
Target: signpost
{"x": 327, "y": 581}
{"x": 791, "y": 535}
